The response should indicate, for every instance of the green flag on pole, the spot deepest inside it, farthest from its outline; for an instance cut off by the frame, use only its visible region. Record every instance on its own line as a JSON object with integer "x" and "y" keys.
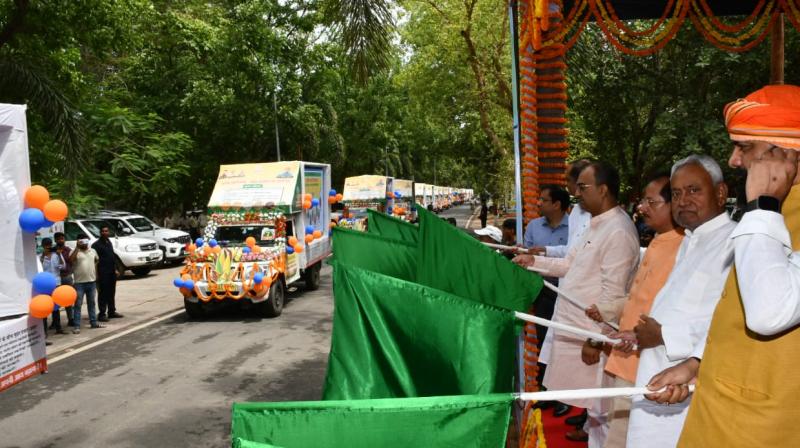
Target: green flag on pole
{"x": 384, "y": 225}
{"x": 393, "y": 338}
{"x": 453, "y": 261}
{"x": 430, "y": 422}
{"x": 376, "y": 253}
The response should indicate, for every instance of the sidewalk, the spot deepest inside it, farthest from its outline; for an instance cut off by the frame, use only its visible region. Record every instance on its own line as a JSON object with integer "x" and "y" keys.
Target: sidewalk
{"x": 138, "y": 299}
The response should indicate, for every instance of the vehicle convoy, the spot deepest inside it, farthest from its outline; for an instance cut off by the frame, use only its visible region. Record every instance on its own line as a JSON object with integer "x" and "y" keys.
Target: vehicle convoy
{"x": 268, "y": 227}
{"x": 362, "y": 193}
{"x": 172, "y": 243}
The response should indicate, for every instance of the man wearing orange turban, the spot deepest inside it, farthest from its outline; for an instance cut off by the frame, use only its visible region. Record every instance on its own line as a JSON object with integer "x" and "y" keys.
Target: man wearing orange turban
{"x": 748, "y": 385}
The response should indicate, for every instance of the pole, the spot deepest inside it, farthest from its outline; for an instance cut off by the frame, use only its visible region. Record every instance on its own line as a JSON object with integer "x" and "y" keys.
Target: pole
{"x": 512, "y": 20}
{"x": 776, "y": 53}
{"x": 277, "y": 136}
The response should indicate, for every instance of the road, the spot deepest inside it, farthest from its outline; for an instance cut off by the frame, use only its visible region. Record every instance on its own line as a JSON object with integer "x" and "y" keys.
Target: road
{"x": 173, "y": 383}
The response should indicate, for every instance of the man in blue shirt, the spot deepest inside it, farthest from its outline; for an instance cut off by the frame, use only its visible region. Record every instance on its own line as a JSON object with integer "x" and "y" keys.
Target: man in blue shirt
{"x": 552, "y": 228}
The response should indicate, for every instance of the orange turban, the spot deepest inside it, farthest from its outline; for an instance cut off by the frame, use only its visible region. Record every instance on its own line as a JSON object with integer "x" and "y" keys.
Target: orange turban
{"x": 770, "y": 114}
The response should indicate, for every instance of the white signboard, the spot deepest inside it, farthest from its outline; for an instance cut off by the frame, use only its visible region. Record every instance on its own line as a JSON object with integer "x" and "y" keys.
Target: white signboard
{"x": 22, "y": 350}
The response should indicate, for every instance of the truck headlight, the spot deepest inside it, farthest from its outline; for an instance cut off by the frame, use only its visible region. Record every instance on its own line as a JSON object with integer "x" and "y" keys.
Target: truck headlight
{"x": 132, "y": 248}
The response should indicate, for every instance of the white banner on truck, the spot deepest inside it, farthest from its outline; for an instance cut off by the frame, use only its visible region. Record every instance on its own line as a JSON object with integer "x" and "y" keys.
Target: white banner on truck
{"x": 22, "y": 350}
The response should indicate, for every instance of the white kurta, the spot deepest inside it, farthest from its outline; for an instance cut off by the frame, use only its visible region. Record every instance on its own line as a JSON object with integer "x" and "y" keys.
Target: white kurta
{"x": 683, "y": 307}
{"x": 578, "y": 222}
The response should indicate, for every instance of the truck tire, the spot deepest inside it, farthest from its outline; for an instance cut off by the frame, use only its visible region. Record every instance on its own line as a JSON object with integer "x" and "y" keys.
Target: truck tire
{"x": 141, "y": 272}
{"x": 119, "y": 268}
{"x": 311, "y": 276}
{"x": 194, "y": 309}
{"x": 273, "y": 306}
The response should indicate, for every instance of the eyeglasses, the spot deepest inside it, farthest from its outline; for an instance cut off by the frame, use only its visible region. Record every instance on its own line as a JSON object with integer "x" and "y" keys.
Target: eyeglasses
{"x": 583, "y": 187}
{"x": 689, "y": 191}
{"x": 651, "y": 202}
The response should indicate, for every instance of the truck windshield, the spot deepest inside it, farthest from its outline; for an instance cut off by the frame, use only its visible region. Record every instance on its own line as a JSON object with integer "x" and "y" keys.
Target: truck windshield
{"x": 94, "y": 226}
{"x": 141, "y": 224}
{"x": 236, "y": 235}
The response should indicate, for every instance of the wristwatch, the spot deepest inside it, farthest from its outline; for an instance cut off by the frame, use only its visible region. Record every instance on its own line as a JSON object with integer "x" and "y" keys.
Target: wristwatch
{"x": 768, "y": 203}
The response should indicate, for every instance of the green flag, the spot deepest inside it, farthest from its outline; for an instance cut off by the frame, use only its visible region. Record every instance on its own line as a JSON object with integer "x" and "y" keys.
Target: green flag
{"x": 376, "y": 253}
{"x": 393, "y": 338}
{"x": 431, "y": 422}
{"x": 384, "y": 225}
{"x": 451, "y": 260}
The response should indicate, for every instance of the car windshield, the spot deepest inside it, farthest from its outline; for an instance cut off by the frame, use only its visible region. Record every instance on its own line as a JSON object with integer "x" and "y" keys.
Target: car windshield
{"x": 94, "y": 226}
{"x": 141, "y": 224}
{"x": 236, "y": 235}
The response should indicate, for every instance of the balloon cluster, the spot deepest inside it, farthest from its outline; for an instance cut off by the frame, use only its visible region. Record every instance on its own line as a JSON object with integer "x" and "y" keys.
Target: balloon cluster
{"x": 41, "y": 211}
{"x": 399, "y": 211}
{"x": 250, "y": 242}
{"x": 48, "y": 295}
{"x": 294, "y": 245}
{"x": 309, "y": 201}
{"x": 390, "y": 195}
{"x": 334, "y": 197}
{"x": 185, "y": 284}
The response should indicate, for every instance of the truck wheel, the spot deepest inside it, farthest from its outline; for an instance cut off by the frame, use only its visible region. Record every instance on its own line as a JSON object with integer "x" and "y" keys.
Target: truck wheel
{"x": 141, "y": 272}
{"x": 194, "y": 309}
{"x": 311, "y": 276}
{"x": 120, "y": 268}
{"x": 273, "y": 306}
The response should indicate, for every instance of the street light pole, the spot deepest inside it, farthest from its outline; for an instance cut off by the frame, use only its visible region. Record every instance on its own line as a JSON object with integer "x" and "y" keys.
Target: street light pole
{"x": 277, "y": 136}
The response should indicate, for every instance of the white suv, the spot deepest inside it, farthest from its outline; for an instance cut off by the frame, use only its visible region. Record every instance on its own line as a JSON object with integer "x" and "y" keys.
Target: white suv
{"x": 137, "y": 254}
{"x": 172, "y": 243}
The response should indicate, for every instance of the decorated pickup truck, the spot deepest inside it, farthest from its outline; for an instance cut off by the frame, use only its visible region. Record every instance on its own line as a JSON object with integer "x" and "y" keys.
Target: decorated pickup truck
{"x": 268, "y": 227}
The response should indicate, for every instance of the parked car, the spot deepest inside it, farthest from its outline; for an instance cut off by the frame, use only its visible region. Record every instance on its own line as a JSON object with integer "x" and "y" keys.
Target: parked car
{"x": 172, "y": 243}
{"x": 137, "y": 254}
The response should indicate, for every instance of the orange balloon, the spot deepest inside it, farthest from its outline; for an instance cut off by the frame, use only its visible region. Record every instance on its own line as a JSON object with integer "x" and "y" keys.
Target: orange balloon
{"x": 185, "y": 292}
{"x": 41, "y": 306}
{"x": 36, "y": 197}
{"x": 55, "y": 210}
{"x": 298, "y": 248}
{"x": 64, "y": 295}
{"x": 339, "y": 197}
{"x": 292, "y": 241}
{"x": 207, "y": 249}
{"x": 306, "y": 205}
{"x": 331, "y": 200}
{"x": 186, "y": 277}
{"x": 191, "y": 248}
{"x": 390, "y": 195}
{"x": 317, "y": 234}
{"x": 309, "y": 238}
{"x": 216, "y": 249}
{"x": 250, "y": 241}
{"x": 307, "y": 197}
{"x": 256, "y": 249}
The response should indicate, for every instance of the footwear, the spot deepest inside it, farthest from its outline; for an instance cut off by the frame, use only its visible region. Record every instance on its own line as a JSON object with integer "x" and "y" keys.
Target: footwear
{"x": 561, "y": 409}
{"x": 115, "y": 315}
{"x": 98, "y": 325}
{"x": 76, "y": 331}
{"x": 579, "y": 435}
{"x": 102, "y": 318}
{"x": 577, "y": 420}
{"x": 60, "y": 331}
{"x": 48, "y": 343}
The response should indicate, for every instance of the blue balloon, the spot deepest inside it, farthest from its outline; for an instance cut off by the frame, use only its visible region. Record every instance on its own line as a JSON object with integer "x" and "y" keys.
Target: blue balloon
{"x": 332, "y": 192}
{"x": 199, "y": 242}
{"x": 47, "y": 223}
{"x": 389, "y": 210}
{"x": 188, "y": 284}
{"x": 258, "y": 278}
{"x": 31, "y": 219}
{"x": 315, "y": 202}
{"x": 246, "y": 250}
{"x": 178, "y": 283}
{"x": 397, "y": 194}
{"x": 56, "y": 307}
{"x": 44, "y": 283}
{"x": 289, "y": 250}
{"x": 309, "y": 230}
{"x": 212, "y": 242}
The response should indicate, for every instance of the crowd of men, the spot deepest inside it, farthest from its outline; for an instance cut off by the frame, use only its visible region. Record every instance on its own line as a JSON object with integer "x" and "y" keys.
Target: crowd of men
{"x": 91, "y": 270}
{"x": 711, "y": 302}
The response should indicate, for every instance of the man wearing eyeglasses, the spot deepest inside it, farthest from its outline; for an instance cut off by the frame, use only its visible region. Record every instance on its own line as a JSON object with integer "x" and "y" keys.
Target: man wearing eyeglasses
{"x": 682, "y": 309}
{"x": 596, "y": 271}
{"x": 747, "y": 381}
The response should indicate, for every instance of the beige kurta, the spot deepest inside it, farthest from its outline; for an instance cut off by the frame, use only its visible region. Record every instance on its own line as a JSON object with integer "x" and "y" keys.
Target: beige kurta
{"x": 596, "y": 272}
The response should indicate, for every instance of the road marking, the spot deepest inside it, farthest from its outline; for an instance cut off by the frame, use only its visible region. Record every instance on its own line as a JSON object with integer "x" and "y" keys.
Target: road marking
{"x": 471, "y": 217}
{"x": 72, "y": 352}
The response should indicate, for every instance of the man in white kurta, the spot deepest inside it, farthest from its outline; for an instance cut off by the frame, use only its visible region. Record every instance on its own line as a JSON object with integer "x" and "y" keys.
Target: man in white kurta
{"x": 596, "y": 271}
{"x": 683, "y": 308}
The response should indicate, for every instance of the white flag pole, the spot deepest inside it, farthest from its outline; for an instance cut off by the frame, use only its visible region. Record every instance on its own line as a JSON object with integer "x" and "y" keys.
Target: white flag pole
{"x": 564, "y": 327}
{"x": 521, "y": 250}
{"x": 577, "y": 394}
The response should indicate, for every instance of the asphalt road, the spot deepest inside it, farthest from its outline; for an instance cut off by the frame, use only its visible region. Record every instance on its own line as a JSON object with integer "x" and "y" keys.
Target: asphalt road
{"x": 172, "y": 384}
